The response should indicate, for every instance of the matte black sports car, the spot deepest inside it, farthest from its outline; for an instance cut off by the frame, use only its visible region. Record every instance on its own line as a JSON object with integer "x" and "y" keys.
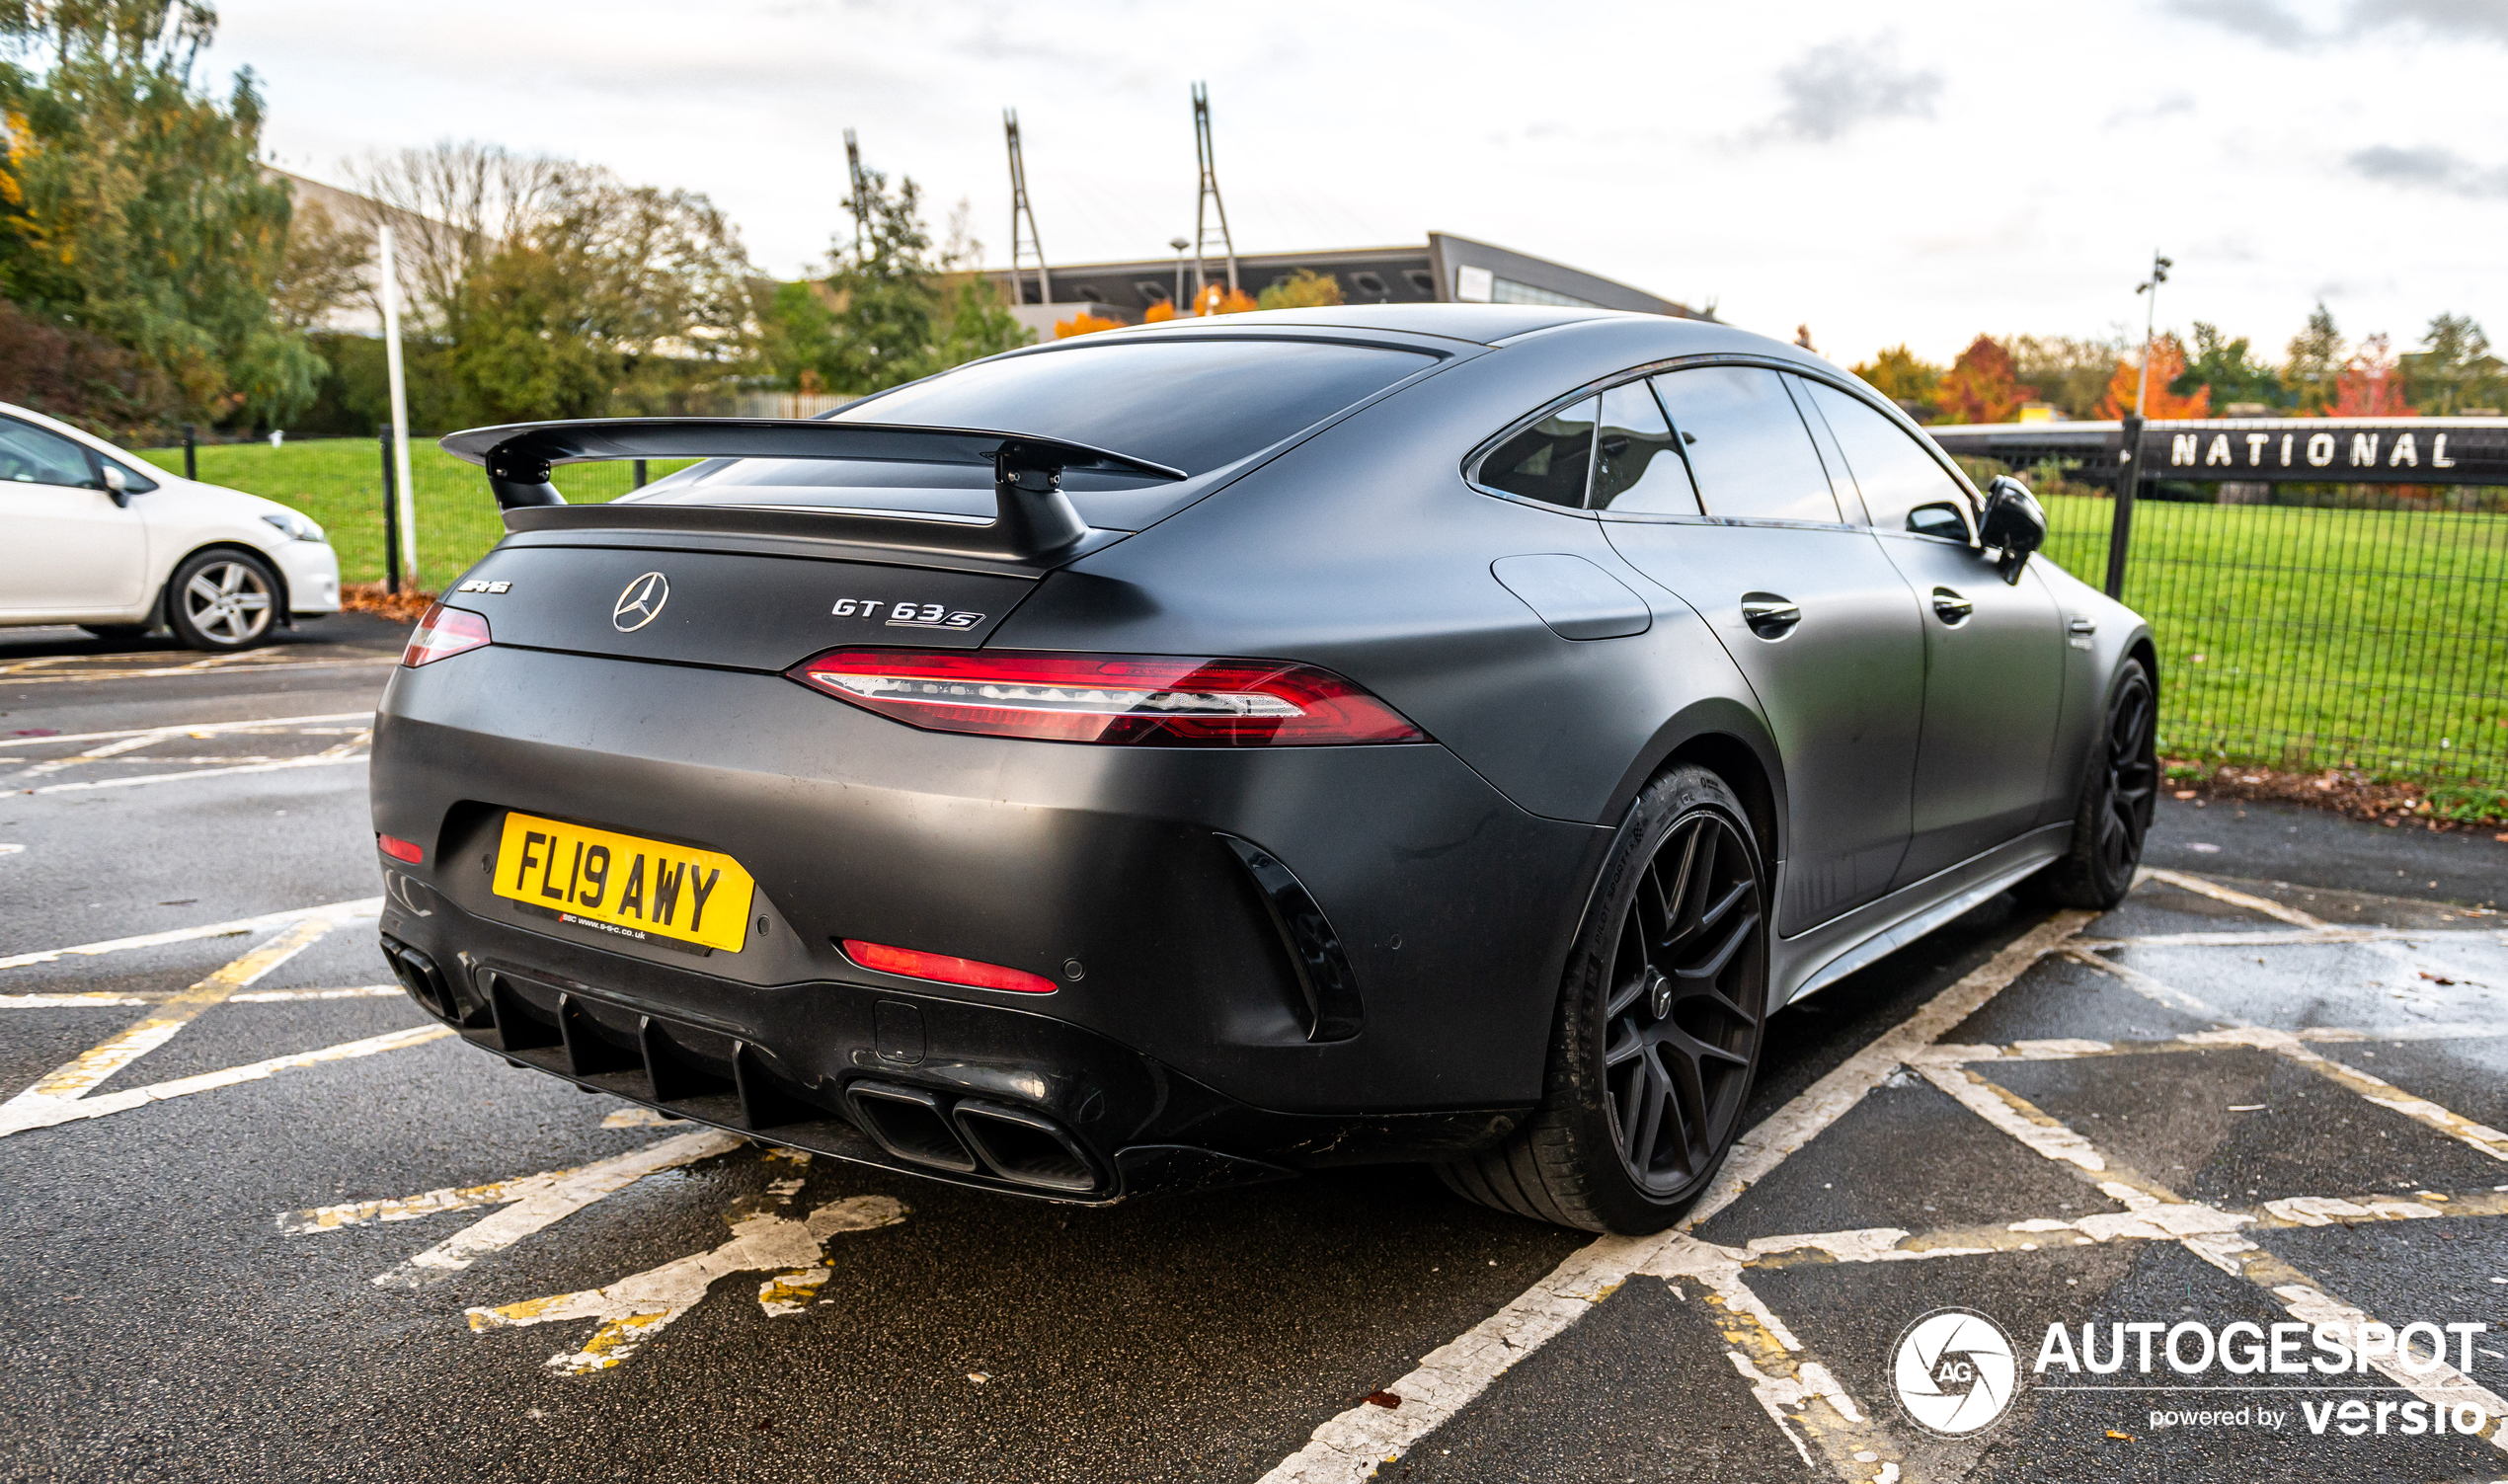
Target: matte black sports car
{"x": 1206, "y": 752}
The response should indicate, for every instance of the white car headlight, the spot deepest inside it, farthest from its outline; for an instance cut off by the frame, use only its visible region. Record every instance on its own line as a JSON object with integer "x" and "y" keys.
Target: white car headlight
{"x": 298, "y": 527}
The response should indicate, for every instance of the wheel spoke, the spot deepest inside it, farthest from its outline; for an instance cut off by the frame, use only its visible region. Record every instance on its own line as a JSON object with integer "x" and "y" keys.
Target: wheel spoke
{"x": 250, "y": 602}
{"x": 1624, "y": 1044}
{"x": 203, "y": 588}
{"x": 1648, "y": 1117}
{"x": 1720, "y": 957}
{"x": 230, "y": 577}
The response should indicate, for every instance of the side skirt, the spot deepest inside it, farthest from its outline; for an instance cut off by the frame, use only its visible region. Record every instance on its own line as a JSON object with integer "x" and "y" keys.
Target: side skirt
{"x": 1813, "y": 960}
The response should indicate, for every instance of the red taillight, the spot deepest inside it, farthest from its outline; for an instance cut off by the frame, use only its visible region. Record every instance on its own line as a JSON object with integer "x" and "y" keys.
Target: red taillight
{"x": 399, "y": 849}
{"x": 942, "y": 969}
{"x": 443, "y": 633}
{"x": 1110, "y": 698}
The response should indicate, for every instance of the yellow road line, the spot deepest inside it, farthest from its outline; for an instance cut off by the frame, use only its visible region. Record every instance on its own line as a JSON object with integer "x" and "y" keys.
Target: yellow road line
{"x": 78, "y": 1076}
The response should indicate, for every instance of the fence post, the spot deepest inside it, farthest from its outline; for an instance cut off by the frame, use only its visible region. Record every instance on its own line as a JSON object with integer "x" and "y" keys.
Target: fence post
{"x": 191, "y": 452}
{"x": 2129, "y": 477}
{"x": 640, "y": 476}
{"x": 391, "y": 515}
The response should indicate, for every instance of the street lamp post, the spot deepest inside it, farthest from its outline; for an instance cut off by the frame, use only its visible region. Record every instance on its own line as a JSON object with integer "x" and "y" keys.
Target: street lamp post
{"x": 1179, "y": 244}
{"x": 2159, "y": 267}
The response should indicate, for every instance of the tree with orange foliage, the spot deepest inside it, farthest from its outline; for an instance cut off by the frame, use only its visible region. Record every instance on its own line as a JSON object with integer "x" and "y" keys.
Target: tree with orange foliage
{"x": 1981, "y": 386}
{"x": 2372, "y": 385}
{"x": 1159, "y": 313}
{"x": 2168, "y": 363}
{"x": 1084, "y": 323}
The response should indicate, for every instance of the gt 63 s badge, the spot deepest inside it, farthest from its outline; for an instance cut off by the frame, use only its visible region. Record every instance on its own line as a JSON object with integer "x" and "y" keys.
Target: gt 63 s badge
{"x": 907, "y": 615}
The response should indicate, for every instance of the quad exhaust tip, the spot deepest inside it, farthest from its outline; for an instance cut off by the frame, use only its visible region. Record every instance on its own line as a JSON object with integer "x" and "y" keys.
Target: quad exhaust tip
{"x": 1013, "y": 1144}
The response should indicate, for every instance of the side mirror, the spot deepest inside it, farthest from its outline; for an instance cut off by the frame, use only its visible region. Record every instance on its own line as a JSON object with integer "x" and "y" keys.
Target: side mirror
{"x": 2014, "y": 523}
{"x": 117, "y": 485}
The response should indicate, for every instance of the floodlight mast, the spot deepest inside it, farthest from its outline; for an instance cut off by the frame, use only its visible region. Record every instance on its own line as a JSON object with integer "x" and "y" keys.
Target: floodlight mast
{"x": 861, "y": 185}
{"x": 1022, "y": 213}
{"x": 1208, "y": 200}
{"x": 2159, "y": 267}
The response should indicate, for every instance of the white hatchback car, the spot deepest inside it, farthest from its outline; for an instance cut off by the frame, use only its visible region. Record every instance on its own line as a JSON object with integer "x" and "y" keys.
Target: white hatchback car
{"x": 91, "y": 536}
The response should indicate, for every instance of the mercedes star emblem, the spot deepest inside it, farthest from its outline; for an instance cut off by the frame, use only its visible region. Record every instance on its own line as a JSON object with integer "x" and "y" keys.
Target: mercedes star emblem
{"x": 641, "y": 603}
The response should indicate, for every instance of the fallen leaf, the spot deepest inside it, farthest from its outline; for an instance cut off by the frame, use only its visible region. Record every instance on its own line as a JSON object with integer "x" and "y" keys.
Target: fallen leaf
{"x": 1385, "y": 1399}
{"x": 2434, "y": 979}
{"x": 2119, "y": 1437}
{"x": 977, "y": 1376}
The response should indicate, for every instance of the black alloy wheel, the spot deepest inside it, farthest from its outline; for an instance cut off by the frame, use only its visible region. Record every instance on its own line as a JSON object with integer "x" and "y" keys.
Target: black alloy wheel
{"x": 1659, "y": 1030}
{"x": 2120, "y": 787}
{"x": 1680, "y": 1030}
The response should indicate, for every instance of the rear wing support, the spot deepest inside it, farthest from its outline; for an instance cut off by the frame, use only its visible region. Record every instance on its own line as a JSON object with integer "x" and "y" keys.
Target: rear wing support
{"x": 1031, "y": 517}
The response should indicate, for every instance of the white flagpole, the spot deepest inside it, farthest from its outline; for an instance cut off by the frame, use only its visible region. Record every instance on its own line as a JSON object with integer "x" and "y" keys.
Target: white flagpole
{"x": 391, "y": 288}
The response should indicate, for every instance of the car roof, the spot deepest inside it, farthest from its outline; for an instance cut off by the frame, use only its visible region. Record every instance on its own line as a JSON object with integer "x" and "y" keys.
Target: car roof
{"x": 1481, "y": 324}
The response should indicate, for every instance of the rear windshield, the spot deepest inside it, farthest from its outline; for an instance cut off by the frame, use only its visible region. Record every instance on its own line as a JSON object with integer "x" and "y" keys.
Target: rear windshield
{"x": 1194, "y": 405}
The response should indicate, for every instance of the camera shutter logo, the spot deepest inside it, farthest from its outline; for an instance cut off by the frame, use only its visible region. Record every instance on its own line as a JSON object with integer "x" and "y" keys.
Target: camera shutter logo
{"x": 1954, "y": 1372}
{"x": 640, "y": 603}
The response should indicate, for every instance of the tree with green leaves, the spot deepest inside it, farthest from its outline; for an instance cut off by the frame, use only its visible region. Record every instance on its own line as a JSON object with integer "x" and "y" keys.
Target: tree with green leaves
{"x": 133, "y": 206}
{"x": 2314, "y": 369}
{"x": 1898, "y": 374}
{"x": 2454, "y": 369}
{"x": 900, "y": 310}
{"x": 2221, "y": 365}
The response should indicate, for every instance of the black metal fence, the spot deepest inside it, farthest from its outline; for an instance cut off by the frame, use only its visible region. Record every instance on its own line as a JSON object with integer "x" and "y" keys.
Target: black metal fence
{"x": 2324, "y": 593}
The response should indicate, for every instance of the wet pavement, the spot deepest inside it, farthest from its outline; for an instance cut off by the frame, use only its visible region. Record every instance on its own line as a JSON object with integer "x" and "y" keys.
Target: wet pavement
{"x": 302, "y": 1233}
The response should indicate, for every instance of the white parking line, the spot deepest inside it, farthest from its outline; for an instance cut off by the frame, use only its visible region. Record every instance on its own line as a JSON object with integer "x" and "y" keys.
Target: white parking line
{"x": 328, "y": 757}
{"x": 1352, "y": 1445}
{"x": 561, "y": 1197}
{"x": 186, "y": 728}
{"x": 2206, "y": 1232}
{"x": 341, "y": 911}
{"x": 49, "y": 1115}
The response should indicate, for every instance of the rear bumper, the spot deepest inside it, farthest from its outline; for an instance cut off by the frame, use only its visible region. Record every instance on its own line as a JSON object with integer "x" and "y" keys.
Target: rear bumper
{"x": 1184, "y": 1024}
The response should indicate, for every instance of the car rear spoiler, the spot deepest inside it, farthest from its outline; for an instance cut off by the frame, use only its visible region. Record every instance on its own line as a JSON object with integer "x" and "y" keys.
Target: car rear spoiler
{"x": 1033, "y": 517}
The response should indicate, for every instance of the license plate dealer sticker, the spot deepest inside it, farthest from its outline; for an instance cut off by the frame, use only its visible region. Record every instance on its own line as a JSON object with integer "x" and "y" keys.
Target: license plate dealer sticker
{"x": 624, "y": 884}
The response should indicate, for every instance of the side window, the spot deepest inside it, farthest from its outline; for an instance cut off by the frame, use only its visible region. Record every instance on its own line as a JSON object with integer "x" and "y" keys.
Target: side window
{"x": 34, "y": 456}
{"x": 1746, "y": 443}
{"x": 1636, "y": 468}
{"x": 1905, "y": 489}
{"x": 1548, "y": 461}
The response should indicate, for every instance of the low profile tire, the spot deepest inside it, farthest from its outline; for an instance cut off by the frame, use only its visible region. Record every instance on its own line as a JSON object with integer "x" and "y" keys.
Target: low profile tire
{"x": 2120, "y": 786}
{"x": 222, "y": 601}
{"x": 1659, "y": 1026}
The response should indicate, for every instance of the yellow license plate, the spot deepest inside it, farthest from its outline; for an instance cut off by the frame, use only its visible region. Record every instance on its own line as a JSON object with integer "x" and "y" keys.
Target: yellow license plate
{"x": 624, "y": 884}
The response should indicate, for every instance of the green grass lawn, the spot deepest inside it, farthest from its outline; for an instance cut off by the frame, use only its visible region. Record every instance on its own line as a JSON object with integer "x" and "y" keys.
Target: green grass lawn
{"x": 2309, "y": 638}
{"x": 339, "y": 482}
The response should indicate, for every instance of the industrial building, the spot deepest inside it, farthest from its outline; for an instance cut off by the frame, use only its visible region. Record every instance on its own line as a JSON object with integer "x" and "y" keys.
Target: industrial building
{"x": 1446, "y": 268}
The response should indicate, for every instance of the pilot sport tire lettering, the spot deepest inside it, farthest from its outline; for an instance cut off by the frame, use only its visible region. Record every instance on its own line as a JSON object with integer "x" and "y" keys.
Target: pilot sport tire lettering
{"x": 1659, "y": 1027}
{"x": 223, "y": 598}
{"x": 2120, "y": 785}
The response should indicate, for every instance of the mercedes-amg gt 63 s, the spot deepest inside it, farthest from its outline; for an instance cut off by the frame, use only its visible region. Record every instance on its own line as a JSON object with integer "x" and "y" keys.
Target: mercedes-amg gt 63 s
{"x": 1203, "y": 752}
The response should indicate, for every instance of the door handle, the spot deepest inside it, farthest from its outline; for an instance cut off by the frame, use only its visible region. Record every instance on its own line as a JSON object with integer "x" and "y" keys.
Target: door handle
{"x": 1769, "y": 615}
{"x": 1950, "y": 608}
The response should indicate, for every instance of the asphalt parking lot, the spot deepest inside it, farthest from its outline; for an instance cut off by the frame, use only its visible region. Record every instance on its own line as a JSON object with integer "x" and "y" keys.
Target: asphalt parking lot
{"x": 262, "y": 1220}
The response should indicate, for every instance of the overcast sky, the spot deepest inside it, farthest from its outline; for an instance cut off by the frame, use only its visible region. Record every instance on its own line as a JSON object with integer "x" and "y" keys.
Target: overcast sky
{"x": 1917, "y": 173}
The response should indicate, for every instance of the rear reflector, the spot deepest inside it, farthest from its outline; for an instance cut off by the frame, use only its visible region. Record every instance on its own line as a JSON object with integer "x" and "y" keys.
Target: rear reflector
{"x": 443, "y": 633}
{"x": 940, "y": 967}
{"x": 399, "y": 849}
{"x": 1110, "y": 698}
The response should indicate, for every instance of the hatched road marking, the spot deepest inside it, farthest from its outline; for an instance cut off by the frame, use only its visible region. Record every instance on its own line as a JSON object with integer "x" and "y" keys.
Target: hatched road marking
{"x": 636, "y": 1307}
{"x": 1352, "y": 1445}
